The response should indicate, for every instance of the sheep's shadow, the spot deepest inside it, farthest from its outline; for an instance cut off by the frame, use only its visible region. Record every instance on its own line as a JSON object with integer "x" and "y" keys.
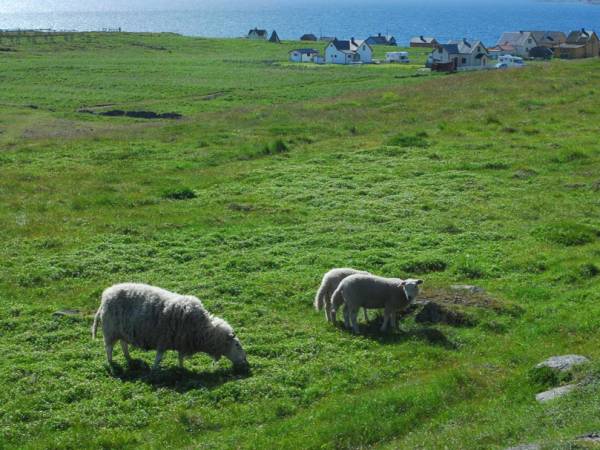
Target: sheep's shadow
{"x": 176, "y": 378}
{"x": 372, "y": 330}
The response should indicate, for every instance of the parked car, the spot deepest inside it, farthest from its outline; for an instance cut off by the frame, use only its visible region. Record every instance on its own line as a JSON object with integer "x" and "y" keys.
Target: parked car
{"x": 397, "y": 57}
{"x": 507, "y": 61}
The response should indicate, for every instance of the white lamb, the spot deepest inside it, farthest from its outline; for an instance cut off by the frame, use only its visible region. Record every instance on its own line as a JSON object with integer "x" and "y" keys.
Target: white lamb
{"x": 370, "y": 291}
{"x": 152, "y": 318}
{"x": 329, "y": 284}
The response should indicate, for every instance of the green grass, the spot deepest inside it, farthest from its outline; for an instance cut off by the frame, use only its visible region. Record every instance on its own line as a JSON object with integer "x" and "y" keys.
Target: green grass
{"x": 276, "y": 173}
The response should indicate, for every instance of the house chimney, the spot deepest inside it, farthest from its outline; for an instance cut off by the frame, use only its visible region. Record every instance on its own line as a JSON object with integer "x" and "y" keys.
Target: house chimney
{"x": 353, "y": 41}
{"x": 379, "y": 34}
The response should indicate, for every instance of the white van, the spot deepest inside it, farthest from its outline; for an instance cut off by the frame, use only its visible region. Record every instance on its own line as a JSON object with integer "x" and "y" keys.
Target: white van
{"x": 397, "y": 57}
{"x": 506, "y": 61}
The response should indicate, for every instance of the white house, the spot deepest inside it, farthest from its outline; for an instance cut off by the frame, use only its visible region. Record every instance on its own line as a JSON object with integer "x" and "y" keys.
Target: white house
{"x": 348, "y": 52}
{"x": 257, "y": 34}
{"x": 303, "y": 55}
{"x": 462, "y": 55}
{"x": 521, "y": 41}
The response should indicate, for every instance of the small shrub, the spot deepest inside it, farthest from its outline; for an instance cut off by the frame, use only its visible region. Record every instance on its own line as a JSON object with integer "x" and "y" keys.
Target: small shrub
{"x": 468, "y": 268}
{"x": 275, "y": 148}
{"x": 589, "y": 270}
{"x": 546, "y": 378}
{"x": 495, "y": 165}
{"x": 424, "y": 266}
{"x": 568, "y": 157}
{"x": 510, "y": 130}
{"x": 567, "y": 234}
{"x": 416, "y": 140}
{"x": 492, "y": 120}
{"x": 183, "y": 193}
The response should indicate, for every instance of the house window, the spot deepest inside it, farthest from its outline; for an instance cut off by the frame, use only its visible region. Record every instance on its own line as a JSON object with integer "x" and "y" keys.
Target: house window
{"x": 463, "y": 60}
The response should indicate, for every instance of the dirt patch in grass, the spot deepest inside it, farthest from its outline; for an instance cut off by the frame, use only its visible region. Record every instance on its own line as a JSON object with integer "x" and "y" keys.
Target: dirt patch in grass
{"x": 448, "y": 297}
{"x": 133, "y": 114}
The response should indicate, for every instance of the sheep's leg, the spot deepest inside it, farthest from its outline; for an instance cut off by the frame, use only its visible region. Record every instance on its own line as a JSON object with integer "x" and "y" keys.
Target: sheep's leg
{"x": 180, "y": 360}
{"x": 109, "y": 343}
{"x": 333, "y": 316}
{"x": 346, "y": 317}
{"x": 125, "y": 349}
{"x": 394, "y": 321}
{"x": 386, "y": 319}
{"x": 328, "y": 311}
{"x": 158, "y": 359}
{"x": 354, "y": 319}
{"x": 366, "y": 315}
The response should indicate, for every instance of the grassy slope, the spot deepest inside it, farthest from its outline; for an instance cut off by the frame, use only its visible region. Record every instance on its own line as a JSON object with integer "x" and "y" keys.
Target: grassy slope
{"x": 490, "y": 178}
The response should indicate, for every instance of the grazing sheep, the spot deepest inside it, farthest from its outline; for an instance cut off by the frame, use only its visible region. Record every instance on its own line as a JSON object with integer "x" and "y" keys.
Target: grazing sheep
{"x": 329, "y": 284}
{"x": 152, "y": 318}
{"x": 370, "y": 291}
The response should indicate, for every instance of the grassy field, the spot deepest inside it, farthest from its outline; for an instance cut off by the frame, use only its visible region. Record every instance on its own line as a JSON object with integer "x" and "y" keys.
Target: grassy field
{"x": 275, "y": 173}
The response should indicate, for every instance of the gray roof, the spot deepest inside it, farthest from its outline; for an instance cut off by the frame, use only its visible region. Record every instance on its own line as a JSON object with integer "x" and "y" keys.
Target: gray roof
{"x": 515, "y": 38}
{"x": 450, "y": 48}
{"x": 422, "y": 40}
{"x": 549, "y": 37}
{"x": 305, "y": 51}
{"x": 466, "y": 48}
{"x": 580, "y": 36}
{"x": 257, "y": 31}
{"x": 381, "y": 40}
{"x": 351, "y": 45}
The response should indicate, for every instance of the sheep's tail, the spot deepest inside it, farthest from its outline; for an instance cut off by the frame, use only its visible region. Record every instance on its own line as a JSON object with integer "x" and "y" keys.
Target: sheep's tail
{"x": 337, "y": 299}
{"x": 96, "y": 322}
{"x": 320, "y": 297}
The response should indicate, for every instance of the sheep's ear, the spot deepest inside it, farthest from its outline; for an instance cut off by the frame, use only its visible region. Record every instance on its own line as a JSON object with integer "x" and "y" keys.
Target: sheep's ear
{"x": 403, "y": 283}
{"x": 419, "y": 281}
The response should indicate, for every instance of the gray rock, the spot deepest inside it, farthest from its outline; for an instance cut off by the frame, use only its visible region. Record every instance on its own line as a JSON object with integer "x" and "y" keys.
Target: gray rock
{"x": 468, "y": 288}
{"x": 563, "y": 363}
{"x": 558, "y": 392}
{"x": 526, "y": 447}
{"x": 66, "y": 312}
{"x": 590, "y": 437}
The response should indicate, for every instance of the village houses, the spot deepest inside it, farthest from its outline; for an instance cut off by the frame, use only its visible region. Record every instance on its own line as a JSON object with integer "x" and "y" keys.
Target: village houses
{"x": 348, "y": 52}
{"x": 381, "y": 40}
{"x": 460, "y": 55}
{"x": 257, "y": 34}
{"x": 424, "y": 41}
{"x": 521, "y": 41}
{"x": 579, "y": 44}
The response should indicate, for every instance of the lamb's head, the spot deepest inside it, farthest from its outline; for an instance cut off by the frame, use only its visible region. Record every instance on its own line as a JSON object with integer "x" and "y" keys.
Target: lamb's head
{"x": 411, "y": 289}
{"x": 231, "y": 347}
{"x": 236, "y": 354}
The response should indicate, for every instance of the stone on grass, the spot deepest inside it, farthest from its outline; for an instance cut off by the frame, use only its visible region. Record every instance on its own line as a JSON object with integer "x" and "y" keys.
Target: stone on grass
{"x": 590, "y": 437}
{"x": 552, "y": 394}
{"x": 563, "y": 363}
{"x": 526, "y": 447}
{"x": 468, "y": 288}
{"x": 66, "y": 312}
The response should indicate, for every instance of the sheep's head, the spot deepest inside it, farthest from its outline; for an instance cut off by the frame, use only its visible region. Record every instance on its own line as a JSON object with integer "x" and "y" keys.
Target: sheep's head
{"x": 411, "y": 288}
{"x": 236, "y": 354}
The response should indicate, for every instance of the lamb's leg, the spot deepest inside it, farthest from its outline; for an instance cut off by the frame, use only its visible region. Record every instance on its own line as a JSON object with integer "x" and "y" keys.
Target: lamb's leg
{"x": 366, "y": 315}
{"x": 109, "y": 343}
{"x": 346, "y": 317}
{"x": 158, "y": 359}
{"x": 394, "y": 321}
{"x": 333, "y": 316}
{"x": 328, "y": 310}
{"x": 386, "y": 319}
{"x": 180, "y": 360}
{"x": 125, "y": 349}
{"x": 354, "y": 319}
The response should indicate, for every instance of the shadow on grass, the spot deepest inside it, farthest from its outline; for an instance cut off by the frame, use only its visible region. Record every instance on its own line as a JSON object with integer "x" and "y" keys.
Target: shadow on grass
{"x": 175, "y": 378}
{"x": 372, "y": 330}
